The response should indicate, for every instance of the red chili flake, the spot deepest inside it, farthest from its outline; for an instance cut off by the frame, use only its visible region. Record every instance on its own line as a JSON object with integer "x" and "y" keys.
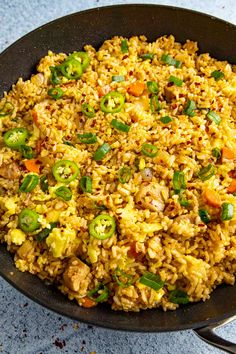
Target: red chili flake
{"x": 125, "y": 56}
{"x": 201, "y": 225}
{"x": 197, "y": 83}
{"x": 170, "y": 84}
{"x": 232, "y": 174}
{"x": 181, "y": 95}
{"x": 200, "y": 138}
{"x": 131, "y": 73}
{"x": 174, "y": 105}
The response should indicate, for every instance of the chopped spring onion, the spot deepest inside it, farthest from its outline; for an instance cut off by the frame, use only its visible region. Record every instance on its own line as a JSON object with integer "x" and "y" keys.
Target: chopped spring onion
{"x": 6, "y": 109}
{"x": 189, "y": 109}
{"x": 207, "y": 172}
{"x": 45, "y": 232}
{"x": 124, "y": 174}
{"x": 118, "y": 78}
{"x": 178, "y": 297}
{"x": 176, "y": 80}
{"x": 216, "y": 152}
{"x": 178, "y": 182}
{"x": 213, "y": 116}
{"x": 68, "y": 142}
{"x": 167, "y": 59}
{"x": 152, "y": 281}
{"x": 147, "y": 56}
{"x": 101, "y": 152}
{"x": 227, "y": 211}
{"x": 102, "y": 227}
{"x": 120, "y": 126}
{"x": 166, "y": 119}
{"x": 217, "y": 74}
{"x": 152, "y": 87}
{"x": 86, "y": 184}
{"x": 87, "y": 138}
{"x": 29, "y": 183}
{"x": 27, "y": 152}
{"x": 155, "y": 105}
{"x": 149, "y": 150}
{"x": 124, "y": 46}
{"x": 64, "y": 193}
{"x": 183, "y": 202}
{"x": 123, "y": 279}
{"x": 204, "y": 215}
{"x": 99, "y": 294}
{"x": 88, "y": 110}
{"x": 55, "y": 93}
{"x": 44, "y": 183}
{"x": 28, "y": 220}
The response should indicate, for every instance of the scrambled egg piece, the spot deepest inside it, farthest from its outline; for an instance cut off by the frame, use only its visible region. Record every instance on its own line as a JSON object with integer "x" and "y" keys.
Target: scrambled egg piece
{"x": 17, "y": 236}
{"x": 59, "y": 240}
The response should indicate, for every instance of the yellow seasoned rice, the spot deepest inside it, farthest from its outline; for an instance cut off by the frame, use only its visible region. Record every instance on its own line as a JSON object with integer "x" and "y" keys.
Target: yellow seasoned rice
{"x": 154, "y": 232}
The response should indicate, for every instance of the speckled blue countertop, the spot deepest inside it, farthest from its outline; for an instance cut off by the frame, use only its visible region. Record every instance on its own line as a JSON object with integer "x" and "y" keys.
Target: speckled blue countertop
{"x": 27, "y": 328}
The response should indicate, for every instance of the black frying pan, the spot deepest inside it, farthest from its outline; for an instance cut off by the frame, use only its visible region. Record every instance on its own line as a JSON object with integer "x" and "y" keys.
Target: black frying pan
{"x": 94, "y": 26}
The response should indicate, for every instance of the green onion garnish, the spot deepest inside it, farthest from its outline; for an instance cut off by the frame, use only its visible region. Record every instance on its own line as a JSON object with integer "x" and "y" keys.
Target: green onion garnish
{"x": 152, "y": 87}
{"x": 183, "y": 202}
{"x": 120, "y": 126}
{"x": 149, "y": 150}
{"x": 227, "y": 211}
{"x": 123, "y": 279}
{"x": 167, "y": 59}
{"x": 118, "y": 78}
{"x": 86, "y": 184}
{"x": 99, "y": 294}
{"x": 166, "y": 119}
{"x": 216, "y": 152}
{"x": 87, "y": 138}
{"x": 29, "y": 183}
{"x": 88, "y": 110}
{"x": 176, "y": 80}
{"x": 101, "y": 152}
{"x": 44, "y": 183}
{"x": 124, "y": 174}
{"x": 178, "y": 297}
{"x": 67, "y": 142}
{"x": 217, "y": 74}
{"x": 147, "y": 56}
{"x": 64, "y": 193}
{"x": 189, "y": 109}
{"x": 6, "y": 109}
{"x": 55, "y": 93}
{"x": 178, "y": 182}
{"x": 152, "y": 281}
{"x": 214, "y": 117}
{"x": 27, "y": 151}
{"x": 124, "y": 46}
{"x": 204, "y": 215}
{"x": 155, "y": 105}
{"x": 207, "y": 172}
{"x": 45, "y": 232}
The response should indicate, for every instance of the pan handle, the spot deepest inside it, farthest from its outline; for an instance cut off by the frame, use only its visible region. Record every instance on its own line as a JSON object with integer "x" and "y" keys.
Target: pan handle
{"x": 208, "y": 335}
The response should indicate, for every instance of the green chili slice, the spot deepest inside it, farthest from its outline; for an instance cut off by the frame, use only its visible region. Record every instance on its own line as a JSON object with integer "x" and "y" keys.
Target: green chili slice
{"x": 28, "y": 220}
{"x": 118, "y": 78}
{"x": 102, "y": 227}
{"x": 124, "y": 46}
{"x": 189, "y": 109}
{"x": 64, "y": 193}
{"x": 178, "y": 82}
{"x": 147, "y": 56}
{"x": 99, "y": 294}
{"x": 183, "y": 201}
{"x": 167, "y": 59}
{"x": 88, "y": 110}
{"x": 29, "y": 183}
{"x": 213, "y": 116}
{"x": 81, "y": 57}
{"x": 178, "y": 182}
{"x": 155, "y": 105}
{"x": 7, "y": 109}
{"x": 112, "y": 102}
{"x": 55, "y": 93}
{"x": 153, "y": 87}
{"x": 166, "y": 119}
{"x": 152, "y": 281}
{"x": 207, "y": 172}
{"x": 217, "y": 74}
{"x": 149, "y": 150}
{"x": 71, "y": 69}
{"x": 123, "y": 279}
{"x": 124, "y": 174}
{"x": 65, "y": 171}
{"x": 27, "y": 151}
{"x": 45, "y": 232}
{"x": 204, "y": 215}
{"x": 101, "y": 152}
{"x": 44, "y": 183}
{"x": 178, "y": 297}
{"x": 86, "y": 184}
{"x": 55, "y": 75}
{"x": 15, "y": 137}
{"x": 227, "y": 211}
{"x": 120, "y": 126}
{"x": 216, "y": 152}
{"x": 87, "y": 138}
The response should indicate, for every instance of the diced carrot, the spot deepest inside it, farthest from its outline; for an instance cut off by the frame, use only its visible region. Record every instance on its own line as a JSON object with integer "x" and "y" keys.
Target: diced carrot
{"x": 103, "y": 90}
{"x": 232, "y": 187}
{"x": 227, "y": 154}
{"x": 212, "y": 198}
{"x": 136, "y": 89}
{"x": 35, "y": 118}
{"x": 232, "y": 174}
{"x": 132, "y": 253}
{"x": 87, "y": 302}
{"x": 32, "y": 165}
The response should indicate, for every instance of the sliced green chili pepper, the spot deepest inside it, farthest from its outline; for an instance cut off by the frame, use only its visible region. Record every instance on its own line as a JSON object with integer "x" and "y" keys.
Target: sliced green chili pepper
{"x": 166, "y": 119}
{"x": 149, "y": 150}
{"x": 189, "y": 109}
{"x": 167, "y": 59}
{"x": 82, "y": 57}
{"x": 88, "y": 110}
{"x": 153, "y": 87}
{"x": 124, "y": 174}
{"x": 15, "y": 137}
{"x": 207, "y": 172}
{"x": 71, "y": 69}
{"x": 112, "y": 102}
{"x": 45, "y": 232}
{"x": 204, "y": 215}
{"x": 178, "y": 297}
{"x": 64, "y": 193}
{"x": 68, "y": 142}
{"x": 55, "y": 75}
{"x": 28, "y": 220}
{"x": 29, "y": 183}
{"x": 119, "y": 274}
{"x": 152, "y": 281}
{"x": 44, "y": 183}
{"x": 183, "y": 202}
{"x": 124, "y": 46}
{"x": 147, "y": 56}
{"x": 102, "y": 227}
{"x": 155, "y": 105}
{"x": 216, "y": 152}
{"x": 120, "y": 126}
{"x": 99, "y": 206}
{"x": 118, "y": 78}
{"x": 213, "y": 116}
{"x": 99, "y": 294}
{"x": 27, "y": 151}
{"x": 227, "y": 211}
{"x": 176, "y": 80}
{"x": 101, "y": 152}
{"x": 86, "y": 184}
{"x": 65, "y": 171}
{"x": 7, "y": 109}
{"x": 217, "y": 74}
{"x": 87, "y": 138}
{"x": 178, "y": 182}
{"x": 55, "y": 93}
